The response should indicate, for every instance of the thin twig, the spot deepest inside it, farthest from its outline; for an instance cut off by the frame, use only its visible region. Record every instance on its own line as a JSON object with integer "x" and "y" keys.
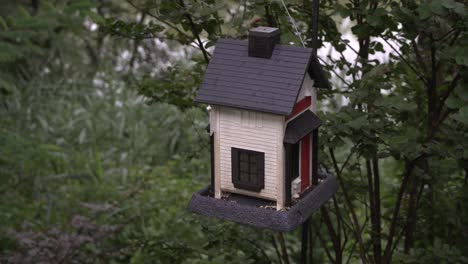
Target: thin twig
{"x": 333, "y": 70}
{"x": 422, "y": 78}
{"x": 194, "y": 32}
{"x": 346, "y": 161}
{"x": 255, "y": 244}
{"x": 418, "y": 55}
{"x": 338, "y": 213}
{"x": 158, "y": 18}
{"x": 353, "y": 248}
{"x": 273, "y": 241}
{"x": 324, "y": 244}
{"x": 331, "y": 230}
{"x": 357, "y": 229}
{"x": 284, "y": 251}
{"x": 450, "y": 89}
{"x": 391, "y": 234}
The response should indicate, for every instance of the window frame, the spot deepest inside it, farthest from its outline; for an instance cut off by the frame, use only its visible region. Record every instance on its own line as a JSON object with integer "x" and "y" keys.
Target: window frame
{"x": 259, "y": 159}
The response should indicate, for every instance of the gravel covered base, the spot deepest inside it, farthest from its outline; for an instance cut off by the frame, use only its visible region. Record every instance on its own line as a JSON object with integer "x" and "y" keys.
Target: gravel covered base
{"x": 260, "y": 213}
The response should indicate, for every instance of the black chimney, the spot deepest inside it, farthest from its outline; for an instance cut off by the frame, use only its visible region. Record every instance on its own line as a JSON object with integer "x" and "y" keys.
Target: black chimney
{"x": 262, "y": 41}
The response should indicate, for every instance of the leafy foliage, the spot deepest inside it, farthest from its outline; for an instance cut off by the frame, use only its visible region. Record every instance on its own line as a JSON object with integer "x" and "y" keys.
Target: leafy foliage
{"x": 89, "y": 172}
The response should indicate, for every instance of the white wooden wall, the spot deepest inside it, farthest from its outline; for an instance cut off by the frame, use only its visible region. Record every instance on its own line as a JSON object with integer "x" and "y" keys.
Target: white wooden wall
{"x": 249, "y": 130}
{"x": 308, "y": 89}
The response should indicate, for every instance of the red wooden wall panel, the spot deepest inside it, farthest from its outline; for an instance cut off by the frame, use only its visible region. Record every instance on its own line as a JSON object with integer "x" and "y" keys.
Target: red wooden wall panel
{"x": 300, "y": 106}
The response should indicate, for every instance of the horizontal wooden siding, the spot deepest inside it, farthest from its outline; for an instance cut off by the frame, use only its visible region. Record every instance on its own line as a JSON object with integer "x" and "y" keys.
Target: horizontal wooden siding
{"x": 252, "y": 131}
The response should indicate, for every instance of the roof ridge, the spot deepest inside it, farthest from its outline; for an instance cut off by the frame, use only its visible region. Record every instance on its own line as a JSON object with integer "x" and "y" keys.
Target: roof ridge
{"x": 285, "y": 46}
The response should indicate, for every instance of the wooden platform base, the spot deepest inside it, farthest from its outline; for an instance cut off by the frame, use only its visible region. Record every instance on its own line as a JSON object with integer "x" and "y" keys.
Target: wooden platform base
{"x": 262, "y": 213}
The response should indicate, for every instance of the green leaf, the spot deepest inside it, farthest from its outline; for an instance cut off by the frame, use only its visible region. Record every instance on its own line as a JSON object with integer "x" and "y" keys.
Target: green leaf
{"x": 463, "y": 115}
{"x": 448, "y": 4}
{"x": 205, "y": 11}
{"x": 361, "y": 31}
{"x": 424, "y": 11}
{"x": 340, "y": 47}
{"x": 379, "y": 47}
{"x": 3, "y": 23}
{"x": 51, "y": 148}
{"x": 436, "y": 7}
{"x": 48, "y": 7}
{"x": 377, "y": 18}
{"x": 98, "y": 172}
{"x": 459, "y": 54}
{"x": 405, "y": 105}
{"x": 77, "y": 6}
{"x": 6, "y": 87}
{"x": 457, "y": 7}
{"x": 95, "y": 17}
{"x": 462, "y": 91}
{"x": 358, "y": 122}
{"x": 209, "y": 44}
{"x": 342, "y": 10}
{"x": 23, "y": 12}
{"x": 454, "y": 103}
{"x": 460, "y": 9}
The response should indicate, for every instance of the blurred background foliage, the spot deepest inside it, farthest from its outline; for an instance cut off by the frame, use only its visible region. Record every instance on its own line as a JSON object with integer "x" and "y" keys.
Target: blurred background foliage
{"x": 101, "y": 144}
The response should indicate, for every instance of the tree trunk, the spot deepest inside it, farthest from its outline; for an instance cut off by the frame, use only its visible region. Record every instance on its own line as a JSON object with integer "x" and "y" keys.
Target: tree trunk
{"x": 377, "y": 229}
{"x": 35, "y": 6}
{"x": 411, "y": 215}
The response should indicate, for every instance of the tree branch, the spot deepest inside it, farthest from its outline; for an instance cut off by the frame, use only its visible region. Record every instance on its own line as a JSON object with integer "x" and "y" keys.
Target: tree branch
{"x": 339, "y": 217}
{"x": 422, "y": 78}
{"x": 324, "y": 245}
{"x": 370, "y": 188}
{"x": 170, "y": 25}
{"x": 419, "y": 58}
{"x": 333, "y": 70}
{"x": 35, "y": 6}
{"x": 393, "y": 225}
{"x": 450, "y": 89}
{"x": 377, "y": 228}
{"x": 195, "y": 32}
{"x": 357, "y": 229}
{"x": 284, "y": 251}
{"x": 331, "y": 230}
{"x": 136, "y": 43}
{"x": 273, "y": 241}
{"x": 432, "y": 106}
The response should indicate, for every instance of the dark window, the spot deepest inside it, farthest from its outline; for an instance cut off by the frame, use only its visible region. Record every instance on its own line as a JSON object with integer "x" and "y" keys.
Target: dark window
{"x": 291, "y": 168}
{"x": 315, "y": 152}
{"x": 295, "y": 161}
{"x": 212, "y": 143}
{"x": 248, "y": 169}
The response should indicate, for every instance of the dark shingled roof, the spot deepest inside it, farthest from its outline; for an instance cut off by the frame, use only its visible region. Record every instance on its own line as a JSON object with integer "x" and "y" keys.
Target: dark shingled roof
{"x": 267, "y": 85}
{"x": 300, "y": 126}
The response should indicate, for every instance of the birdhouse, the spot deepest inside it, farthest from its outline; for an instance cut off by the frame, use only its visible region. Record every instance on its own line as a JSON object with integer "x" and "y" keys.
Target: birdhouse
{"x": 264, "y": 131}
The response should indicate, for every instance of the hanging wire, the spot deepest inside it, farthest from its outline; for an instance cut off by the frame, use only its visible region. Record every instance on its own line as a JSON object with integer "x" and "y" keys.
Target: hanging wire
{"x": 293, "y": 24}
